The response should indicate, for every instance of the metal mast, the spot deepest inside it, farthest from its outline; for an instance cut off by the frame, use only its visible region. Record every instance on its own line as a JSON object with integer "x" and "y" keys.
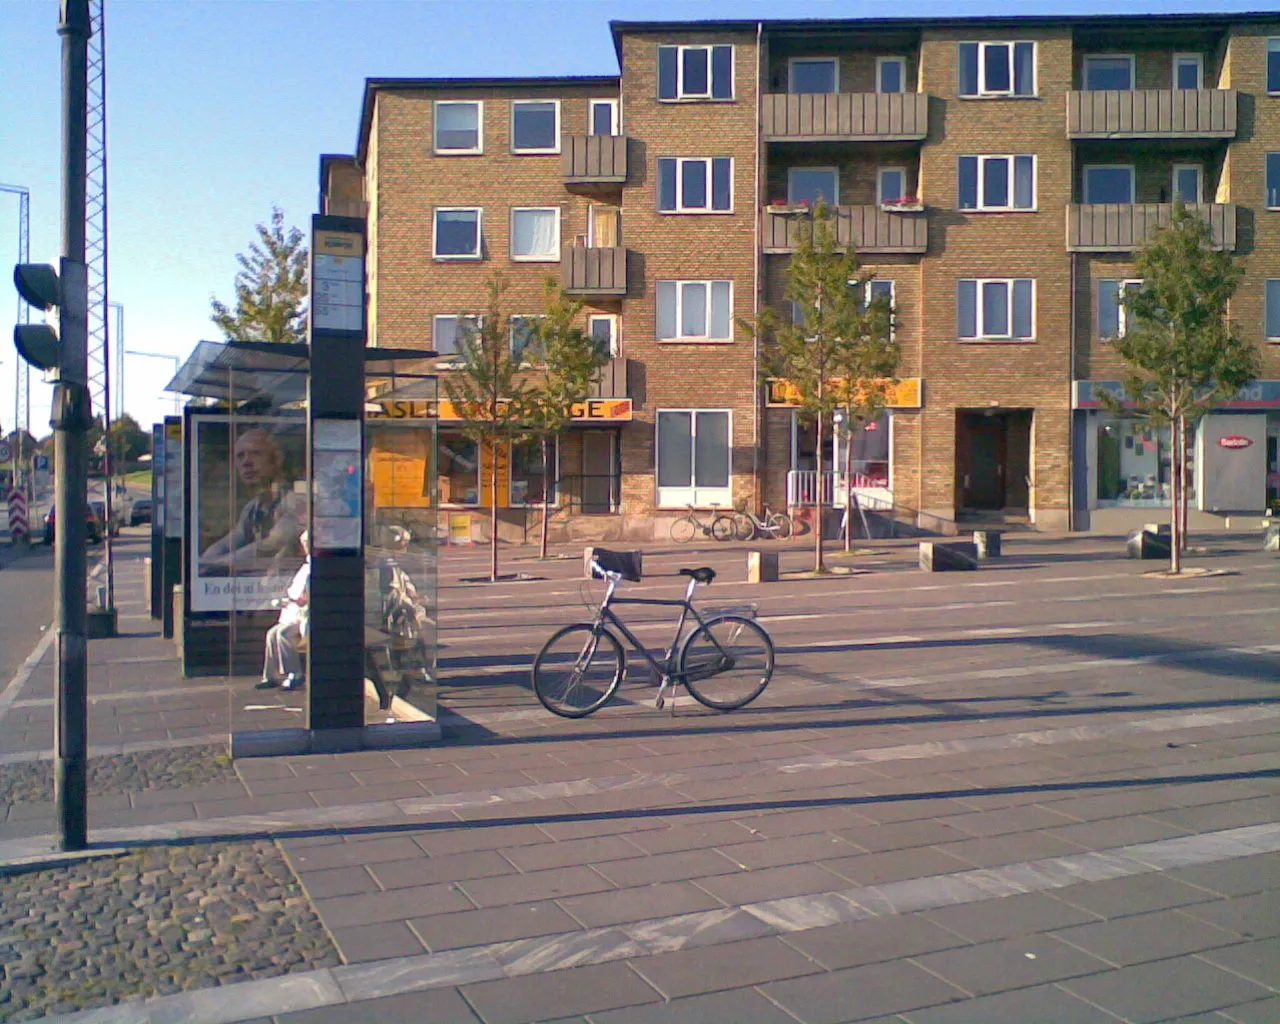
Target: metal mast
{"x": 96, "y": 260}
{"x": 22, "y": 380}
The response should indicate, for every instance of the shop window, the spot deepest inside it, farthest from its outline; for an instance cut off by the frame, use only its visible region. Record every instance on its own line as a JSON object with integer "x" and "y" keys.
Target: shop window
{"x": 998, "y": 183}
{"x": 535, "y": 126}
{"x": 693, "y": 457}
{"x": 459, "y": 128}
{"x": 459, "y": 469}
{"x": 695, "y": 72}
{"x": 998, "y": 69}
{"x": 870, "y": 454}
{"x": 529, "y": 475}
{"x": 813, "y": 75}
{"x": 1134, "y": 464}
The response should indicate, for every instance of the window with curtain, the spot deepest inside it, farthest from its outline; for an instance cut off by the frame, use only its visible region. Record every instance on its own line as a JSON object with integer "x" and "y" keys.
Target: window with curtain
{"x": 447, "y": 329}
{"x": 997, "y": 182}
{"x": 457, "y": 127}
{"x": 695, "y": 310}
{"x": 535, "y": 234}
{"x": 1000, "y": 308}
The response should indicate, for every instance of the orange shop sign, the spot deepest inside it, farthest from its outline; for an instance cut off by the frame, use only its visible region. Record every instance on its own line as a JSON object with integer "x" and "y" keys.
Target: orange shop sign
{"x": 594, "y": 410}
{"x": 901, "y": 394}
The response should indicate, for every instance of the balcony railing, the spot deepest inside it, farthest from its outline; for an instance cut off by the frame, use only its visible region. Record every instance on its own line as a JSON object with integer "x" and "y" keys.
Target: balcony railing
{"x": 865, "y": 228}
{"x": 594, "y": 159}
{"x": 846, "y": 117}
{"x": 1152, "y": 114}
{"x": 594, "y": 271}
{"x": 1123, "y": 227}
{"x": 611, "y": 380}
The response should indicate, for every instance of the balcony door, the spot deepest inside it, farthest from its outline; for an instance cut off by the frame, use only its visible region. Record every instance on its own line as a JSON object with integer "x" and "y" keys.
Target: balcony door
{"x": 1188, "y": 183}
{"x": 604, "y": 227}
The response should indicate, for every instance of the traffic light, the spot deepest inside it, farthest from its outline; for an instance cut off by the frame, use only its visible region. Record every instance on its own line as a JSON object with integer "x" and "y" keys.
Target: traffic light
{"x": 39, "y": 285}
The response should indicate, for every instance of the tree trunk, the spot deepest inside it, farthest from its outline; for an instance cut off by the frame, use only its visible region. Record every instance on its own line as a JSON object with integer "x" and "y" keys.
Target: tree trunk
{"x": 546, "y": 493}
{"x": 493, "y": 513}
{"x": 818, "y": 565}
{"x": 1175, "y": 525}
{"x": 848, "y": 484}
{"x": 1184, "y": 501}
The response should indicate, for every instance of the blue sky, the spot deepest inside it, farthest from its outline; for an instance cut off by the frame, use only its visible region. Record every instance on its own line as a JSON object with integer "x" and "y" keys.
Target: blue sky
{"x": 216, "y": 109}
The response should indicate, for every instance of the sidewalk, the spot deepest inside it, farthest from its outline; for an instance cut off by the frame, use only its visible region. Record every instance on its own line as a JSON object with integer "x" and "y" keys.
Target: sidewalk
{"x": 1046, "y": 791}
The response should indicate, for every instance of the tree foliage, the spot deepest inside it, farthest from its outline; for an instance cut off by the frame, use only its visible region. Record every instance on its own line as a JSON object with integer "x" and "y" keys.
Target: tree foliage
{"x": 1180, "y": 348}
{"x": 271, "y": 288}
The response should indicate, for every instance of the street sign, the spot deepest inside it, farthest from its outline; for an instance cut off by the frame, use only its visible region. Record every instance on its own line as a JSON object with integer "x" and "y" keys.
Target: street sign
{"x": 6, "y": 453}
{"x": 17, "y": 514}
{"x": 40, "y": 463}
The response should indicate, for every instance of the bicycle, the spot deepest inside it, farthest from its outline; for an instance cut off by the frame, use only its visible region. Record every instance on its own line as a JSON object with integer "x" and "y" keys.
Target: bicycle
{"x": 720, "y": 526}
{"x": 749, "y": 526}
{"x": 725, "y": 663}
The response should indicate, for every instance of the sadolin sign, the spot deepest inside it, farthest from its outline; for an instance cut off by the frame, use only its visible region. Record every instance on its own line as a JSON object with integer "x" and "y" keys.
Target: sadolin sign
{"x": 901, "y": 394}
{"x": 594, "y": 410}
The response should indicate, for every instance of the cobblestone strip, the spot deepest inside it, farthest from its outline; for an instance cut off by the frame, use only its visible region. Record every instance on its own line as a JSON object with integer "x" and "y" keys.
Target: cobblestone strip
{"x": 173, "y": 768}
{"x": 152, "y": 923}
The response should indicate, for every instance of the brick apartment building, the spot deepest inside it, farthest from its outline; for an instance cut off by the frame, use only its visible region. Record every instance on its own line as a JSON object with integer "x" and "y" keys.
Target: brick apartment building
{"x": 996, "y": 174}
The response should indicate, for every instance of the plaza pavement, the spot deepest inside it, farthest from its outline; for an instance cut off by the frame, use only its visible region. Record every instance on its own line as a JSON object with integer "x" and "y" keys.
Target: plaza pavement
{"x": 1042, "y": 792}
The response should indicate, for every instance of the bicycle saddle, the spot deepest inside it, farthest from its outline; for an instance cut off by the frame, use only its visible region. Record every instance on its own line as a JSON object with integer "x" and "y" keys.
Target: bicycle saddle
{"x": 703, "y": 575}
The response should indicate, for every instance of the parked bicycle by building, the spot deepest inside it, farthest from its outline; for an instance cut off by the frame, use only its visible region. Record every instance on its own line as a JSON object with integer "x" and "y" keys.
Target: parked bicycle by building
{"x": 720, "y": 525}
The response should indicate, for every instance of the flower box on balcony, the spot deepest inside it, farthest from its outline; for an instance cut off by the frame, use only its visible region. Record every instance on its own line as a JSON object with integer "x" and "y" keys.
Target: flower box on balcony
{"x": 907, "y": 204}
{"x": 782, "y": 207}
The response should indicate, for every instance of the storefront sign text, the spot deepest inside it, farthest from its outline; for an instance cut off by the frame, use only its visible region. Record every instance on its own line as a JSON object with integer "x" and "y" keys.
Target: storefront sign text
{"x": 1234, "y": 441}
{"x": 901, "y": 394}
{"x": 1261, "y": 394}
{"x": 595, "y": 410}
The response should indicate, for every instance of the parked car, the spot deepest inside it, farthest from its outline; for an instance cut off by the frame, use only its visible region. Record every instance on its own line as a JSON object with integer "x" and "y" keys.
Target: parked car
{"x": 117, "y": 521}
{"x": 141, "y": 512}
{"x": 93, "y": 524}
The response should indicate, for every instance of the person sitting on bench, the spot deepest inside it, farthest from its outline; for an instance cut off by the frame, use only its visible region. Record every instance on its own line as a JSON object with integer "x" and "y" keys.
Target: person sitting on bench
{"x": 282, "y": 665}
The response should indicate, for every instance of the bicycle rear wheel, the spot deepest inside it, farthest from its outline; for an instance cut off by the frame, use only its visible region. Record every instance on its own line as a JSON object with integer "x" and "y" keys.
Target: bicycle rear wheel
{"x": 744, "y": 526}
{"x": 727, "y": 662}
{"x": 783, "y": 525}
{"x": 722, "y": 528}
{"x": 684, "y": 529}
{"x": 578, "y": 670}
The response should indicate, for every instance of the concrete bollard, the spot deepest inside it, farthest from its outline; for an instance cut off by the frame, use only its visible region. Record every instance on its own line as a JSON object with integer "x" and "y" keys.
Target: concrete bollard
{"x": 762, "y": 567}
{"x": 1271, "y": 539}
{"x": 987, "y": 543}
{"x": 951, "y": 557}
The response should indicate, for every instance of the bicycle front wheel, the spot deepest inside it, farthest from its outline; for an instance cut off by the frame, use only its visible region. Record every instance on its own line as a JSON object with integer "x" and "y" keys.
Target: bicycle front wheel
{"x": 722, "y": 528}
{"x": 727, "y": 662}
{"x": 578, "y": 670}
{"x": 743, "y": 526}
{"x": 684, "y": 529}
{"x": 782, "y": 525}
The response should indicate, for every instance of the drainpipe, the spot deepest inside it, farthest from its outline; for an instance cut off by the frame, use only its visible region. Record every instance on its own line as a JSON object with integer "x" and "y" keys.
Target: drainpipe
{"x": 755, "y": 292}
{"x": 1072, "y": 454}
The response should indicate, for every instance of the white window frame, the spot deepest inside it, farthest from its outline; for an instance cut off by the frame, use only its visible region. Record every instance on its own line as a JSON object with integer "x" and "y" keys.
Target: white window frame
{"x": 791, "y": 73}
{"x": 552, "y": 258}
{"x": 1122, "y": 322}
{"x": 534, "y": 150}
{"x": 1133, "y": 181}
{"x": 681, "y": 209}
{"x": 1011, "y": 160}
{"x": 1199, "y": 61}
{"x": 615, "y": 343}
{"x": 591, "y": 224}
{"x": 834, "y": 171}
{"x": 1272, "y": 339}
{"x": 693, "y": 338}
{"x": 435, "y": 233}
{"x": 982, "y": 335}
{"x": 881, "y": 172}
{"x": 435, "y": 128}
{"x": 511, "y": 332}
{"x": 682, "y": 96}
{"x": 1084, "y": 70}
{"x": 679, "y": 497}
{"x": 902, "y": 63}
{"x": 1173, "y": 180}
{"x": 1008, "y": 93}
{"x": 1273, "y": 46}
{"x": 616, "y": 116}
{"x": 455, "y": 317}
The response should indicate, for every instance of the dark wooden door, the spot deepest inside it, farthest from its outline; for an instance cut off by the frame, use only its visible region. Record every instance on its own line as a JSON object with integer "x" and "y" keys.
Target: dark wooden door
{"x": 984, "y": 472}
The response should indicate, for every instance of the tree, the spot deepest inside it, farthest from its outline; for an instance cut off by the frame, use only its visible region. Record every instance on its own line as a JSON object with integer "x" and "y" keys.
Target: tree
{"x": 271, "y": 288}
{"x": 128, "y": 441}
{"x": 837, "y": 350}
{"x": 568, "y": 360}
{"x": 1181, "y": 350}
{"x": 488, "y": 394}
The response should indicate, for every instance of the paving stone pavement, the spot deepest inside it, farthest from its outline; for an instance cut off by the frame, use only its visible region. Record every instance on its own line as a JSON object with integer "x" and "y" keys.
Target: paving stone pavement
{"x": 174, "y": 768}
{"x": 1043, "y": 792}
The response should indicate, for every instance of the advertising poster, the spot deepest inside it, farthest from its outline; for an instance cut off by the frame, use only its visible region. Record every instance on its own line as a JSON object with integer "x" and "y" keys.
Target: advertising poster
{"x": 173, "y": 479}
{"x": 248, "y": 510}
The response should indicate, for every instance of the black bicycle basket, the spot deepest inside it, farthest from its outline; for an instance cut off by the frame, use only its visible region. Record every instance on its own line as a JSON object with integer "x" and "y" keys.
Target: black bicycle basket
{"x": 625, "y": 563}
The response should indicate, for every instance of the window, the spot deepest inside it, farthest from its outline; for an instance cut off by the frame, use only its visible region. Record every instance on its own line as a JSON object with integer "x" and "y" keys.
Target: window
{"x": 602, "y": 117}
{"x": 1273, "y": 181}
{"x": 695, "y": 310}
{"x": 535, "y": 126}
{"x": 997, "y": 183}
{"x": 1273, "y": 309}
{"x": 535, "y": 234}
{"x": 1273, "y": 65}
{"x": 891, "y": 74}
{"x": 458, "y": 471}
{"x": 1188, "y": 71}
{"x": 1111, "y": 72}
{"x": 813, "y": 75}
{"x": 1111, "y": 314}
{"x": 604, "y": 226}
{"x": 602, "y": 328}
{"x": 695, "y": 72}
{"x": 997, "y": 69}
{"x": 1108, "y": 183}
{"x": 459, "y": 127}
{"x": 448, "y": 329}
{"x": 878, "y": 289}
{"x": 1188, "y": 183}
{"x": 996, "y": 308}
{"x": 458, "y": 233}
{"x": 526, "y": 346}
{"x": 529, "y": 477}
{"x": 891, "y": 184}
{"x": 812, "y": 185}
{"x": 693, "y": 457}
{"x": 695, "y": 185}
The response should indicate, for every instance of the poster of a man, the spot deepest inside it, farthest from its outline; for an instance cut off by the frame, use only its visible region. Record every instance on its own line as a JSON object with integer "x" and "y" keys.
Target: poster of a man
{"x": 248, "y": 514}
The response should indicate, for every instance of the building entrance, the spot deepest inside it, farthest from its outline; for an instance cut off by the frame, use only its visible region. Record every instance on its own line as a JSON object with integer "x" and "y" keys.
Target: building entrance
{"x": 993, "y": 460}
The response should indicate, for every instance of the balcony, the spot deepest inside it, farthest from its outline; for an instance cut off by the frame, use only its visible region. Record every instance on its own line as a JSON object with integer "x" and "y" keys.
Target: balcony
{"x": 846, "y": 117}
{"x": 865, "y": 228}
{"x": 1152, "y": 114}
{"x": 593, "y": 271}
{"x": 594, "y": 159}
{"x": 1117, "y": 227}
{"x": 611, "y": 380}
